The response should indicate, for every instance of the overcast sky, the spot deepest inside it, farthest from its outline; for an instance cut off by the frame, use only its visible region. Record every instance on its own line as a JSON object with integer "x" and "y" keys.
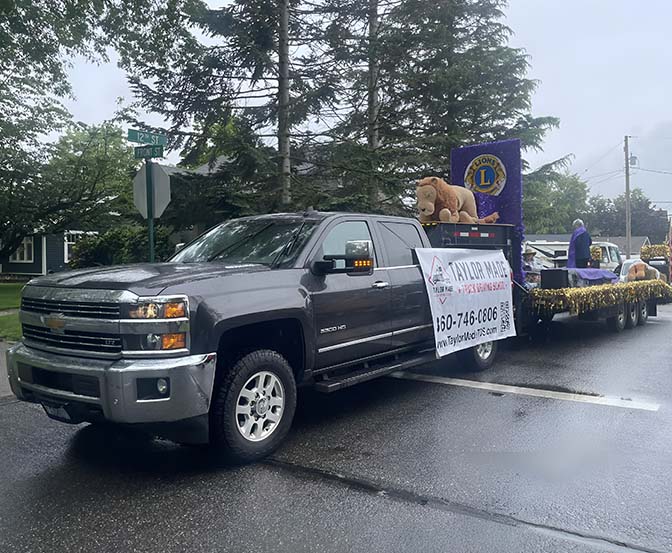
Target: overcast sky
{"x": 604, "y": 67}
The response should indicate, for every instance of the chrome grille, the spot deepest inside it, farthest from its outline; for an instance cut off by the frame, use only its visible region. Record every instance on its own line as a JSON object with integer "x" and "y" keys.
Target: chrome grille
{"x": 72, "y": 309}
{"x": 75, "y": 340}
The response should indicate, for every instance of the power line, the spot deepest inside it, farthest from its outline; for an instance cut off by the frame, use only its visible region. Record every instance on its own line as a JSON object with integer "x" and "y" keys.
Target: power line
{"x": 659, "y": 171}
{"x": 601, "y": 157}
{"x": 608, "y": 178}
{"x": 603, "y": 174}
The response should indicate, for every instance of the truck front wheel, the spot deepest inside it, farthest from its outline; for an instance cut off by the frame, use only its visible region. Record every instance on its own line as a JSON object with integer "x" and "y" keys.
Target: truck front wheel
{"x": 478, "y": 358}
{"x": 253, "y": 407}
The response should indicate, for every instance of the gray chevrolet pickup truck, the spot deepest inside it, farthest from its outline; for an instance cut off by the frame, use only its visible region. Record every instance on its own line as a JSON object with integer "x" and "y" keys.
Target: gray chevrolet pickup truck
{"x": 210, "y": 346}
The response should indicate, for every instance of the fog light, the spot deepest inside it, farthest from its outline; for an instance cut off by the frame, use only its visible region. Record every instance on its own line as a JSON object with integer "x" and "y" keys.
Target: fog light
{"x": 162, "y": 386}
{"x": 153, "y": 388}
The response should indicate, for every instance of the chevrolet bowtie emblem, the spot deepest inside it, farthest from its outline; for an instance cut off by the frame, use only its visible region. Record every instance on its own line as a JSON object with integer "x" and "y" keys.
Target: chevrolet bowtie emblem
{"x": 55, "y": 321}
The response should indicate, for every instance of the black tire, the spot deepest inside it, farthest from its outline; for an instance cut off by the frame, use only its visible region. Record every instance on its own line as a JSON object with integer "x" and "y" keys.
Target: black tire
{"x": 643, "y": 313}
{"x": 631, "y": 315}
{"x": 478, "y": 358}
{"x": 225, "y": 436}
{"x": 617, "y": 322}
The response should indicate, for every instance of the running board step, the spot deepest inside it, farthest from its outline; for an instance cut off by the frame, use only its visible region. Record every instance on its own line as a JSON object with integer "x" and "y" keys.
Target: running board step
{"x": 338, "y": 383}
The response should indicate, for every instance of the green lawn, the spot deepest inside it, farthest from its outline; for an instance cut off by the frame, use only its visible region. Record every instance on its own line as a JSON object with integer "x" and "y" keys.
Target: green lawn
{"x": 10, "y": 328}
{"x": 10, "y": 293}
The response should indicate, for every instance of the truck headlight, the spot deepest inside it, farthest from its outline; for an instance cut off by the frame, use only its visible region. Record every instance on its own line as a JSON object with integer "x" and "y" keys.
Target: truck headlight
{"x": 153, "y": 309}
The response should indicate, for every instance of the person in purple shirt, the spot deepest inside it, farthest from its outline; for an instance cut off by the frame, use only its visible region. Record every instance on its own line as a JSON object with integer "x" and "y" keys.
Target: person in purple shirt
{"x": 578, "y": 256}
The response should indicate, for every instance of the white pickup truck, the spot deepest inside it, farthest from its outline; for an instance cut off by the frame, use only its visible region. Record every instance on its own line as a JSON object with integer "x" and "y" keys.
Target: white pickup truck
{"x": 554, "y": 254}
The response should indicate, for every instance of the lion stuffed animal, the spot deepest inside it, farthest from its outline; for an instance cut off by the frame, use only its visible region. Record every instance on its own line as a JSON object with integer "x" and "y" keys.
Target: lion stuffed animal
{"x": 440, "y": 201}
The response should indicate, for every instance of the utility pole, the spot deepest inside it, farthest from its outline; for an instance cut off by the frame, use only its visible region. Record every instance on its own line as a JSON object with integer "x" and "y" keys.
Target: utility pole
{"x": 373, "y": 104}
{"x": 628, "y": 215}
{"x": 283, "y": 101}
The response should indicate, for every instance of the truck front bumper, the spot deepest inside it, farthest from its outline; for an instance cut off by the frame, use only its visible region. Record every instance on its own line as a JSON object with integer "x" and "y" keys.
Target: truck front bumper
{"x": 82, "y": 389}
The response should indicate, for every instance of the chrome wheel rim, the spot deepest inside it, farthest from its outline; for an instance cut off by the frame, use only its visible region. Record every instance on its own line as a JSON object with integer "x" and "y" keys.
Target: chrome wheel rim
{"x": 621, "y": 316}
{"x": 644, "y": 310}
{"x": 260, "y": 406}
{"x": 484, "y": 350}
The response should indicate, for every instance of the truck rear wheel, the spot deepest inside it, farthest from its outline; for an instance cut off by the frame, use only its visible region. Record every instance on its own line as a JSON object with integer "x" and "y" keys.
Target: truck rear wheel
{"x": 643, "y": 312}
{"x": 478, "y": 358}
{"x": 617, "y": 322}
{"x": 631, "y": 315}
{"x": 253, "y": 407}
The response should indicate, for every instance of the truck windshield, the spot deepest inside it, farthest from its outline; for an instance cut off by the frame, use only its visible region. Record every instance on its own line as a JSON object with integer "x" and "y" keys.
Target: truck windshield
{"x": 272, "y": 243}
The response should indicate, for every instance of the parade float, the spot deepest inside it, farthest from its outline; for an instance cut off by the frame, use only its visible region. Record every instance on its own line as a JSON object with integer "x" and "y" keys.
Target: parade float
{"x": 492, "y": 175}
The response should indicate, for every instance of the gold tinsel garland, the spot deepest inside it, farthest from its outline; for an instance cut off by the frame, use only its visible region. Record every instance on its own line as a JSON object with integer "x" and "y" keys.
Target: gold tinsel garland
{"x": 589, "y": 298}
{"x": 596, "y": 253}
{"x": 654, "y": 250}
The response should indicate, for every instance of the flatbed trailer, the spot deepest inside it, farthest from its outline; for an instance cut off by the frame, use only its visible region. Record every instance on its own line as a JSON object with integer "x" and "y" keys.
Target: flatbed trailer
{"x": 622, "y": 305}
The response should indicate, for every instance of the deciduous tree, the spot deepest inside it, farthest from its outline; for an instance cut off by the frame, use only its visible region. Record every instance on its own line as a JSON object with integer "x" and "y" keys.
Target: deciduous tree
{"x": 76, "y": 183}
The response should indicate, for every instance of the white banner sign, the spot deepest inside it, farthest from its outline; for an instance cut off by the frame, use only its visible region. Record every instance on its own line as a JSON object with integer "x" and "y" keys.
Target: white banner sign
{"x": 470, "y": 296}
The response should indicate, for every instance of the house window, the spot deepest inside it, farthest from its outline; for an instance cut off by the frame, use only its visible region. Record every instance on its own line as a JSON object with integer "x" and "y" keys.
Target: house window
{"x": 70, "y": 238}
{"x": 24, "y": 253}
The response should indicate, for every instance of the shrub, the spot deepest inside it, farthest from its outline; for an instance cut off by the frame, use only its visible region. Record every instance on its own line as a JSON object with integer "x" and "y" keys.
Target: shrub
{"x": 121, "y": 245}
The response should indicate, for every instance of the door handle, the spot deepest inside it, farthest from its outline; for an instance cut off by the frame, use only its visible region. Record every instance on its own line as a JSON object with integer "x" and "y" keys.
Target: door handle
{"x": 379, "y": 284}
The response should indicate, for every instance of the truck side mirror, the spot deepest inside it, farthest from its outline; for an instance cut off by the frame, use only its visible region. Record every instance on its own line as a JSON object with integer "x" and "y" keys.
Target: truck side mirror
{"x": 359, "y": 256}
{"x": 358, "y": 259}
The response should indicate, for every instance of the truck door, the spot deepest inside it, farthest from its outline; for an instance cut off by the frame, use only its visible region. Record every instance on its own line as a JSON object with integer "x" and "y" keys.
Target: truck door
{"x": 410, "y": 318}
{"x": 351, "y": 312}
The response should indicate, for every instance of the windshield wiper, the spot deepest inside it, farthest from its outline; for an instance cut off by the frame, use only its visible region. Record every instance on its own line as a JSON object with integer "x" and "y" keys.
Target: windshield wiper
{"x": 288, "y": 247}
{"x": 237, "y": 244}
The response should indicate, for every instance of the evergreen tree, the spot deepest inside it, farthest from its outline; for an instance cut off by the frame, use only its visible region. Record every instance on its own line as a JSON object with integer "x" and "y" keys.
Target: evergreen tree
{"x": 379, "y": 91}
{"x": 445, "y": 77}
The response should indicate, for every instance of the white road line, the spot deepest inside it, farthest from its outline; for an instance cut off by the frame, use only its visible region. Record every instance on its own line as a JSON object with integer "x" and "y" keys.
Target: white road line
{"x": 549, "y": 394}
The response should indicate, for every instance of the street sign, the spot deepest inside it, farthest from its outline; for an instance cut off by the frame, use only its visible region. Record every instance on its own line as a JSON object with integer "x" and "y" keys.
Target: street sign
{"x": 160, "y": 188}
{"x": 145, "y": 137}
{"x": 144, "y": 152}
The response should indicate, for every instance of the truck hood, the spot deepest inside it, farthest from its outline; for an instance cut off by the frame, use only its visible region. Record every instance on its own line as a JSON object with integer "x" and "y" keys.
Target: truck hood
{"x": 142, "y": 279}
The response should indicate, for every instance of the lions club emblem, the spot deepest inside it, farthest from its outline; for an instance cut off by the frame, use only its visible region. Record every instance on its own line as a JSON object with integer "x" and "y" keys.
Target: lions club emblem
{"x": 486, "y": 174}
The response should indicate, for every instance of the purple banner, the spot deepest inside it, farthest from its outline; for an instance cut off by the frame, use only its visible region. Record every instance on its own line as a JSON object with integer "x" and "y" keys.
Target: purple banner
{"x": 493, "y": 171}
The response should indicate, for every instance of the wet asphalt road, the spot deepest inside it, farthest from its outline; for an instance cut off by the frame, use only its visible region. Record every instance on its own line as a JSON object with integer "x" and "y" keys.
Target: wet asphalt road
{"x": 391, "y": 465}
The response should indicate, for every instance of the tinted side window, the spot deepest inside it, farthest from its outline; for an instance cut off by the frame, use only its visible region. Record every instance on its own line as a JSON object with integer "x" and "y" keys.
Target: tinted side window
{"x": 399, "y": 240}
{"x": 334, "y": 242}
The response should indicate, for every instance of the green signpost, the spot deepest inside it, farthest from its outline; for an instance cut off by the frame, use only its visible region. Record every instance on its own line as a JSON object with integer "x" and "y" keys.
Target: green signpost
{"x": 144, "y": 152}
{"x": 154, "y": 148}
{"x": 146, "y": 137}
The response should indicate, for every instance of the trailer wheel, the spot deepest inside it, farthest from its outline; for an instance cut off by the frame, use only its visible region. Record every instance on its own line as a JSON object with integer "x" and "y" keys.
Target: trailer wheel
{"x": 643, "y": 312}
{"x": 478, "y": 358}
{"x": 631, "y": 315}
{"x": 617, "y": 322}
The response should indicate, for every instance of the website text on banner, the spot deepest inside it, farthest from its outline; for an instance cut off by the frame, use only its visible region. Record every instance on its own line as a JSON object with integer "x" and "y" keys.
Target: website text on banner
{"x": 469, "y": 295}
